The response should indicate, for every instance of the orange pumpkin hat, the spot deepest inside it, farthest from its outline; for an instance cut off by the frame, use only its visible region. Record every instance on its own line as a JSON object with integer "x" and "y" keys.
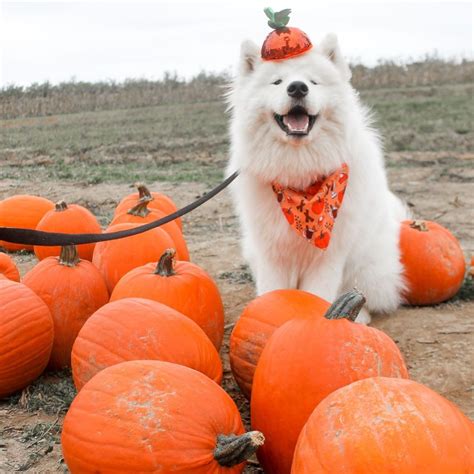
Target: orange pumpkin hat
{"x": 283, "y": 42}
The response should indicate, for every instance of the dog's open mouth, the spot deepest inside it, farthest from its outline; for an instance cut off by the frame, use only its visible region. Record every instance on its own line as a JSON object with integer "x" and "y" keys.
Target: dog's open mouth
{"x": 296, "y": 122}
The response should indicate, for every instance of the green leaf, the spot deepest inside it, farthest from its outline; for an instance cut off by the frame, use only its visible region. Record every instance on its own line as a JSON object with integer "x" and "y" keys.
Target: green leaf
{"x": 282, "y": 15}
{"x": 275, "y": 26}
{"x": 270, "y": 13}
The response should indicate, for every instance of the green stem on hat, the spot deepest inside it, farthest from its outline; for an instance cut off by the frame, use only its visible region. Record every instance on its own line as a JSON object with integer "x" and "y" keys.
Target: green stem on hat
{"x": 277, "y": 20}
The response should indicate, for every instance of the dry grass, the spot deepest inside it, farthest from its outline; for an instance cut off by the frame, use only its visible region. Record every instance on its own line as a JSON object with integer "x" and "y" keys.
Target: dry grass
{"x": 71, "y": 97}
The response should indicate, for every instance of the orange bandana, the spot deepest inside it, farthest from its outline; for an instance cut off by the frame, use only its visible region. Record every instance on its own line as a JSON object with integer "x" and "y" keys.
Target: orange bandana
{"x": 312, "y": 212}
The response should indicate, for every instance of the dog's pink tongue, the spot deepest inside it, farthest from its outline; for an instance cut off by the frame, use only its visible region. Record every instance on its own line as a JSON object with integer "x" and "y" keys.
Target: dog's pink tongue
{"x": 296, "y": 122}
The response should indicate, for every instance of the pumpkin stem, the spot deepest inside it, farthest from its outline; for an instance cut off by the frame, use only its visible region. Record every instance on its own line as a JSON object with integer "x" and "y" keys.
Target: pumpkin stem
{"x": 165, "y": 265}
{"x": 232, "y": 450}
{"x": 143, "y": 191}
{"x": 141, "y": 208}
{"x": 60, "y": 206}
{"x": 69, "y": 256}
{"x": 419, "y": 225}
{"x": 347, "y": 306}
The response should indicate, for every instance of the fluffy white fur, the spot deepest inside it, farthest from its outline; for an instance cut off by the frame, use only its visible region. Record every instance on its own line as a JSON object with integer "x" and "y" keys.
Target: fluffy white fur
{"x": 363, "y": 251}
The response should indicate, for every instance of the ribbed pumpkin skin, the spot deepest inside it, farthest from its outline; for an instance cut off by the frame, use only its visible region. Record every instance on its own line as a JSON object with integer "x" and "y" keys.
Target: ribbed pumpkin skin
{"x": 259, "y": 320}
{"x": 137, "y": 328}
{"x": 191, "y": 291}
{"x": 160, "y": 202}
{"x": 26, "y": 336}
{"x": 22, "y": 211}
{"x": 117, "y": 257}
{"x": 72, "y": 294}
{"x": 148, "y": 417}
{"x": 171, "y": 228}
{"x": 385, "y": 425}
{"x": 8, "y": 267}
{"x": 433, "y": 261}
{"x": 73, "y": 220}
{"x": 304, "y": 361}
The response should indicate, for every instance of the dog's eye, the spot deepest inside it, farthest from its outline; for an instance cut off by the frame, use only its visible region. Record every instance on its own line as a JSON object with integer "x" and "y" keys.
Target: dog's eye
{"x": 278, "y": 81}
{"x": 314, "y": 82}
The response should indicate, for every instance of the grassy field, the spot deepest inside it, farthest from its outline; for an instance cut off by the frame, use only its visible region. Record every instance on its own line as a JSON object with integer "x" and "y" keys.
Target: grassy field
{"x": 189, "y": 142}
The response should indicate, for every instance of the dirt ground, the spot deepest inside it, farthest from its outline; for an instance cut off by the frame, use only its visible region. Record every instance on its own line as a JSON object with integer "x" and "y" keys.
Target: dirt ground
{"x": 436, "y": 341}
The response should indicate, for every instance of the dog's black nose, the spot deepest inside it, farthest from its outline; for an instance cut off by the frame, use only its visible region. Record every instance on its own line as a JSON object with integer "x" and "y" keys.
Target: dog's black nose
{"x": 297, "y": 89}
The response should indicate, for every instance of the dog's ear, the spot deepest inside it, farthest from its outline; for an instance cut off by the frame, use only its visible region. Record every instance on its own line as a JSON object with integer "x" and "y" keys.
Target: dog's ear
{"x": 329, "y": 46}
{"x": 249, "y": 57}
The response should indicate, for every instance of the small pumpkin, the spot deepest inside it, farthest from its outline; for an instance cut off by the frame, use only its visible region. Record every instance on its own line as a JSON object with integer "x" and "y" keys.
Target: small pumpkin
{"x": 73, "y": 289}
{"x": 8, "y": 268}
{"x": 283, "y": 42}
{"x": 433, "y": 261}
{"x": 138, "y": 328}
{"x": 154, "y": 416}
{"x": 259, "y": 320}
{"x": 305, "y": 360}
{"x": 158, "y": 201}
{"x": 22, "y": 211}
{"x": 383, "y": 424}
{"x": 140, "y": 214}
{"x": 26, "y": 336}
{"x": 68, "y": 219}
{"x": 117, "y": 257}
{"x": 181, "y": 285}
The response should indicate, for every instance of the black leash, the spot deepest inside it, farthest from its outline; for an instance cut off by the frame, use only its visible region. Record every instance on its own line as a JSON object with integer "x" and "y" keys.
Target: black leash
{"x": 49, "y": 239}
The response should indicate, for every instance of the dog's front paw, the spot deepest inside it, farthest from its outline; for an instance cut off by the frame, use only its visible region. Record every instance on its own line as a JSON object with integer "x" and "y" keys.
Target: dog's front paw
{"x": 363, "y": 317}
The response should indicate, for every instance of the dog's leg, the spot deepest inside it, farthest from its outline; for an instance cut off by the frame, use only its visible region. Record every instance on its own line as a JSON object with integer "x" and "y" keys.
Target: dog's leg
{"x": 323, "y": 278}
{"x": 272, "y": 276}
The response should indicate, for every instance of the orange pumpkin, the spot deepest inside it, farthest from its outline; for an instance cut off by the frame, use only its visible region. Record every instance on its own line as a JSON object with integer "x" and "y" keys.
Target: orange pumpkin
{"x": 22, "y": 211}
{"x": 140, "y": 214}
{"x": 8, "y": 267}
{"x": 137, "y": 328}
{"x": 73, "y": 289}
{"x": 154, "y": 416}
{"x": 433, "y": 260}
{"x": 259, "y": 320}
{"x": 181, "y": 285}
{"x": 304, "y": 361}
{"x": 283, "y": 42}
{"x": 383, "y": 425}
{"x": 158, "y": 201}
{"x": 117, "y": 257}
{"x": 68, "y": 219}
{"x": 26, "y": 336}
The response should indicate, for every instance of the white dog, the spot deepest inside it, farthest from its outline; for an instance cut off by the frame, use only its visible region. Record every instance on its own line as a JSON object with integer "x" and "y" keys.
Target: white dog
{"x": 294, "y": 138}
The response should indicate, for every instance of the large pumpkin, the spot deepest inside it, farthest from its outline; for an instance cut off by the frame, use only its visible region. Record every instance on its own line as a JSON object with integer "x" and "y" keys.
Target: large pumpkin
{"x": 68, "y": 219}
{"x": 259, "y": 320}
{"x": 137, "y": 328}
{"x": 117, "y": 257}
{"x": 26, "y": 336}
{"x": 140, "y": 214}
{"x": 181, "y": 285}
{"x": 304, "y": 361}
{"x": 158, "y": 201}
{"x": 73, "y": 289}
{"x": 153, "y": 416}
{"x": 384, "y": 425}
{"x": 433, "y": 261}
{"x": 22, "y": 211}
{"x": 8, "y": 268}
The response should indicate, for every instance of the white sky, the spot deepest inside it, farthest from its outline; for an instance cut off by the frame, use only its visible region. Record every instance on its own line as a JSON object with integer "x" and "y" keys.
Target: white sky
{"x": 99, "y": 40}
